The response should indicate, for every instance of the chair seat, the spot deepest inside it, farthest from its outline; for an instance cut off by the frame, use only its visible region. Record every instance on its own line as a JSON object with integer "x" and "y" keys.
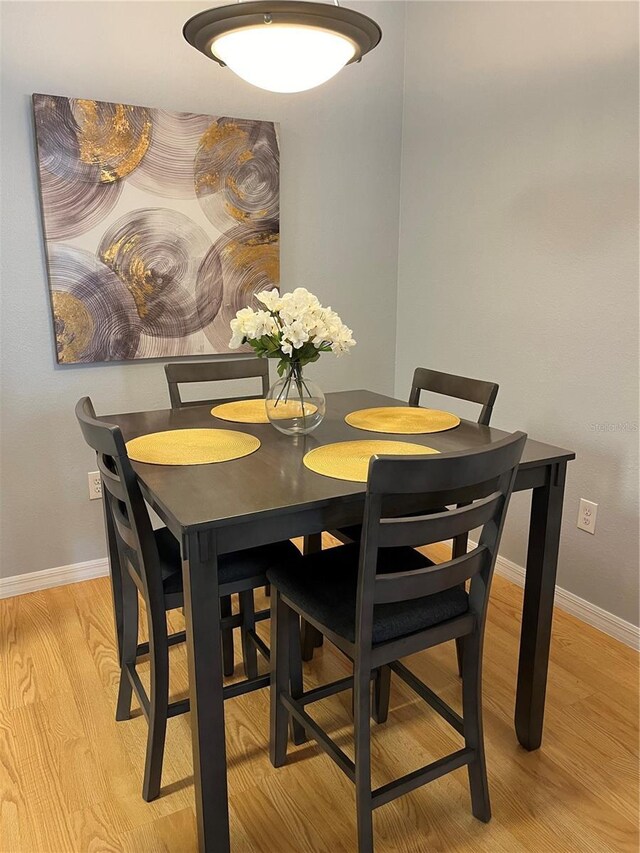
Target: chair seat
{"x": 324, "y": 587}
{"x": 238, "y": 566}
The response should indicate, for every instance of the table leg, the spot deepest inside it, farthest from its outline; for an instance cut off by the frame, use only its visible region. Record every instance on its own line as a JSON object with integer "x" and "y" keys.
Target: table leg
{"x": 202, "y": 615}
{"x": 310, "y": 637}
{"x": 537, "y": 613}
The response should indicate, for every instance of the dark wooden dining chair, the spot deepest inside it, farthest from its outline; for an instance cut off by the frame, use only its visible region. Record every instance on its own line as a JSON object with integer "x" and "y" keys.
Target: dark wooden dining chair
{"x": 381, "y": 600}
{"x": 460, "y": 387}
{"x": 223, "y": 370}
{"x": 448, "y": 385}
{"x": 184, "y": 373}
{"x": 150, "y": 566}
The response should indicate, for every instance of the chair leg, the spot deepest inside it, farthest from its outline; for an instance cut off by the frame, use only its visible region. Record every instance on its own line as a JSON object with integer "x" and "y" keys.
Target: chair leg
{"x": 227, "y": 637}
{"x": 280, "y": 679}
{"x": 460, "y": 653}
{"x": 311, "y": 638}
{"x": 381, "y": 693}
{"x": 362, "y": 735}
{"x": 249, "y": 651}
{"x": 296, "y": 688}
{"x": 460, "y": 547}
{"x": 129, "y": 643}
{"x": 473, "y": 730}
{"x": 158, "y": 708}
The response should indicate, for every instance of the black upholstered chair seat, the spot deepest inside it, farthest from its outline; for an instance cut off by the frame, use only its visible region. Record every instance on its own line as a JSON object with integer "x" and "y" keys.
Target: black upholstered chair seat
{"x": 238, "y": 566}
{"x": 325, "y": 586}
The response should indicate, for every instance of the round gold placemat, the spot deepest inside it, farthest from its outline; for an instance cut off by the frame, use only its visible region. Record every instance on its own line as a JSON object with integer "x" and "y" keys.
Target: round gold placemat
{"x": 242, "y": 412}
{"x": 349, "y": 460}
{"x": 255, "y": 411}
{"x": 402, "y": 420}
{"x": 191, "y": 446}
{"x": 290, "y": 409}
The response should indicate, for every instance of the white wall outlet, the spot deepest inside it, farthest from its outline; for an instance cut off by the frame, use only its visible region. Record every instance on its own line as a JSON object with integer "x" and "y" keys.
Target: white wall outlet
{"x": 587, "y": 515}
{"x": 95, "y": 485}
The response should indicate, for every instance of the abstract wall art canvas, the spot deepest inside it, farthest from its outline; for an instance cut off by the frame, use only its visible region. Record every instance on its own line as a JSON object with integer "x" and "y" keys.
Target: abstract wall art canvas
{"x": 158, "y": 226}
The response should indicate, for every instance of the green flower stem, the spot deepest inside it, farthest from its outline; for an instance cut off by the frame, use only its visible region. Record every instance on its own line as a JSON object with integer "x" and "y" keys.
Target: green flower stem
{"x": 297, "y": 371}
{"x": 294, "y": 376}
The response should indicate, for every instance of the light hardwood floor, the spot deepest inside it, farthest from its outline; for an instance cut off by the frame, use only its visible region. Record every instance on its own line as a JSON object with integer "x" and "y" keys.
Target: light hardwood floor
{"x": 70, "y": 776}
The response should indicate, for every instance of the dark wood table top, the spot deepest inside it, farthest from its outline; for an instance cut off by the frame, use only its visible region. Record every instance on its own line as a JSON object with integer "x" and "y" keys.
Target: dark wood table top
{"x": 273, "y": 480}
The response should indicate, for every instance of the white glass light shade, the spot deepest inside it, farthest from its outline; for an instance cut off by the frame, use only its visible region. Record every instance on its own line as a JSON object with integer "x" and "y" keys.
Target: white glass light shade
{"x": 284, "y": 57}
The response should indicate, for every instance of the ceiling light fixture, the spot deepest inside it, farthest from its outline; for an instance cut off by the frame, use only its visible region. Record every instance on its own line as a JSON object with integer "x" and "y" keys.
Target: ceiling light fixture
{"x": 284, "y": 45}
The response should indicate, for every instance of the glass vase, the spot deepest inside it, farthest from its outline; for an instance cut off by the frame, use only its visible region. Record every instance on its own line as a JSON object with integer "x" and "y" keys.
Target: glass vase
{"x": 295, "y": 404}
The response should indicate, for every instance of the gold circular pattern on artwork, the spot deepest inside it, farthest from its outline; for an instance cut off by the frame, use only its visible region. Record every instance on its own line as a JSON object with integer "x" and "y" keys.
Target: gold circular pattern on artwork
{"x": 259, "y": 253}
{"x": 191, "y": 446}
{"x": 349, "y": 460}
{"x": 73, "y": 325}
{"x": 113, "y": 137}
{"x": 402, "y": 420}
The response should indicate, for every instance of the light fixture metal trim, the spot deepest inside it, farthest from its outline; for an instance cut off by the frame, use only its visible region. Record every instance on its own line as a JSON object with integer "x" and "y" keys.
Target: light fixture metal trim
{"x": 201, "y": 30}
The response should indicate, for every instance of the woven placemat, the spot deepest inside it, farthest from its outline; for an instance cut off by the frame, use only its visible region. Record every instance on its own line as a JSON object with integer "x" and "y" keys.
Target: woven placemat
{"x": 349, "y": 460}
{"x": 255, "y": 411}
{"x": 289, "y": 409}
{"x": 242, "y": 412}
{"x": 191, "y": 446}
{"x": 402, "y": 420}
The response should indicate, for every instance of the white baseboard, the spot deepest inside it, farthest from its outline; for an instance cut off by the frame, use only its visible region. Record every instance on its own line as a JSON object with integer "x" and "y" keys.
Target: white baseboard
{"x": 567, "y": 601}
{"x": 59, "y": 576}
{"x": 570, "y": 603}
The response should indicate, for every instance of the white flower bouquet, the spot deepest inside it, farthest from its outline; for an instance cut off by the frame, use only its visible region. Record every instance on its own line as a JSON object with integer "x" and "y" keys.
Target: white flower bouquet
{"x": 295, "y": 329}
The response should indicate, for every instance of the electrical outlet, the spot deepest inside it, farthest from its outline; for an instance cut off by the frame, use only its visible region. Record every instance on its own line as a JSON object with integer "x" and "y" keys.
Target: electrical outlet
{"x": 95, "y": 485}
{"x": 587, "y": 515}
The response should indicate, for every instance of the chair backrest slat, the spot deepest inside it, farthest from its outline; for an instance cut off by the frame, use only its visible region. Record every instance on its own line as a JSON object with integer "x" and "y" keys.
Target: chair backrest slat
{"x": 460, "y": 387}
{"x": 437, "y": 527}
{"x": 418, "y": 583}
{"x": 214, "y": 371}
{"x": 110, "y": 479}
{"x": 123, "y": 527}
{"x": 480, "y": 482}
{"x": 442, "y": 472}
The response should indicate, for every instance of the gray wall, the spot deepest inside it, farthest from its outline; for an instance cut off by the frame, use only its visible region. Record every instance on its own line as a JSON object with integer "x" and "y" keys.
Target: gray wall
{"x": 518, "y": 240}
{"x": 519, "y": 246}
{"x": 340, "y": 196}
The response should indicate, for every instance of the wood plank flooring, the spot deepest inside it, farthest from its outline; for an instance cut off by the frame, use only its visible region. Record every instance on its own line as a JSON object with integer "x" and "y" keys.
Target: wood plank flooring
{"x": 70, "y": 776}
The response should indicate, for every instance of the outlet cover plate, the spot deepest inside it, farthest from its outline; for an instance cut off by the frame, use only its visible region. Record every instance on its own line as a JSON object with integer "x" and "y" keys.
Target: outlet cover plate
{"x": 95, "y": 485}
{"x": 587, "y": 515}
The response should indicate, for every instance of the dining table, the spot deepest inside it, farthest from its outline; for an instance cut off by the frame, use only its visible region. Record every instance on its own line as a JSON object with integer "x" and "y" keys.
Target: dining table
{"x": 270, "y": 495}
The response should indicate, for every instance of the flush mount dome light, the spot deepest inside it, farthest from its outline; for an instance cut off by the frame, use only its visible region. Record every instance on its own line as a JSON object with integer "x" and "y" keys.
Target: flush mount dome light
{"x": 285, "y": 45}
